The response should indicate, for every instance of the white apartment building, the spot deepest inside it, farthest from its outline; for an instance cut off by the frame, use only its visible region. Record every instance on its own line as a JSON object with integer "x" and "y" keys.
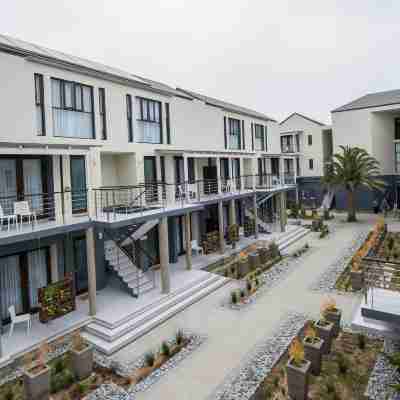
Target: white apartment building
{"x": 107, "y": 176}
{"x": 308, "y": 143}
{"x": 372, "y": 122}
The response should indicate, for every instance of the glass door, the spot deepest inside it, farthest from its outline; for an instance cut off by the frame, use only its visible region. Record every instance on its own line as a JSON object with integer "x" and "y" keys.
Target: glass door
{"x": 8, "y": 185}
{"x": 80, "y": 259}
{"x": 33, "y": 184}
{"x": 150, "y": 179}
{"x": 78, "y": 184}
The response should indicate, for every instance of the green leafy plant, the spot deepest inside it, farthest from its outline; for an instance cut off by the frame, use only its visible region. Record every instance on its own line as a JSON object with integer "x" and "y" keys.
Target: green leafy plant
{"x": 242, "y": 294}
{"x": 249, "y": 285}
{"x": 9, "y": 395}
{"x": 165, "y": 349}
{"x": 179, "y": 337}
{"x": 149, "y": 359}
{"x": 342, "y": 364}
{"x": 234, "y": 297}
{"x": 81, "y": 387}
{"x": 361, "y": 339}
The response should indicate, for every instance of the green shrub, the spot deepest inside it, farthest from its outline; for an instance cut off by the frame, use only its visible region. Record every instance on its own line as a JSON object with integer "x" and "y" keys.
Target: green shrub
{"x": 242, "y": 294}
{"x": 59, "y": 366}
{"x": 361, "y": 341}
{"x": 343, "y": 364}
{"x": 9, "y": 395}
{"x": 234, "y": 297}
{"x": 165, "y": 349}
{"x": 179, "y": 336}
{"x": 248, "y": 285}
{"x": 81, "y": 388}
{"x": 61, "y": 380}
{"x": 276, "y": 381}
{"x": 149, "y": 359}
{"x": 330, "y": 387}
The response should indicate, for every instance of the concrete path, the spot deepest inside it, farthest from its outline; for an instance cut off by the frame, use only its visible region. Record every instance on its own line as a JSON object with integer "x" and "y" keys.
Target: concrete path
{"x": 232, "y": 334}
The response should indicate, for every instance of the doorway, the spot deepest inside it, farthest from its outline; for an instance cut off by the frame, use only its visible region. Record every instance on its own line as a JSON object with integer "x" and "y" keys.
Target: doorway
{"x": 78, "y": 184}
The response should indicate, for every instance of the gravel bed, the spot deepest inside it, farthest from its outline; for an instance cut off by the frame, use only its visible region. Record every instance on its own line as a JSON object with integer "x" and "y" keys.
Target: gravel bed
{"x": 109, "y": 391}
{"x": 243, "y": 381}
{"x": 327, "y": 280}
{"x": 276, "y": 274}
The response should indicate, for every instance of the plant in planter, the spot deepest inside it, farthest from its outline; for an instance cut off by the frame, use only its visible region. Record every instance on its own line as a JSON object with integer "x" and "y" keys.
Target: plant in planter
{"x": 297, "y": 371}
{"x": 249, "y": 286}
{"x": 356, "y": 274}
{"x": 325, "y": 332}
{"x": 179, "y": 337}
{"x": 274, "y": 250}
{"x": 313, "y": 349}
{"x": 37, "y": 375}
{"x": 234, "y": 297}
{"x": 149, "y": 359}
{"x": 243, "y": 264}
{"x": 332, "y": 314}
{"x": 165, "y": 349}
{"x": 81, "y": 356}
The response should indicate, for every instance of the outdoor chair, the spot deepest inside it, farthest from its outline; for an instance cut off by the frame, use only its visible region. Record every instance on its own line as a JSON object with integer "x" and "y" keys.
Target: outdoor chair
{"x": 7, "y": 217}
{"x": 19, "y": 319}
{"x": 22, "y": 210}
{"x": 196, "y": 248}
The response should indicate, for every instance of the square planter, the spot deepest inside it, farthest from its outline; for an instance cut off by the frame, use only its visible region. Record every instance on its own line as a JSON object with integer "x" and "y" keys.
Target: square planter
{"x": 297, "y": 379}
{"x": 254, "y": 261}
{"x": 325, "y": 332}
{"x": 313, "y": 353}
{"x": 263, "y": 254}
{"x": 37, "y": 384}
{"x": 335, "y": 317}
{"x": 82, "y": 362}
{"x": 357, "y": 280}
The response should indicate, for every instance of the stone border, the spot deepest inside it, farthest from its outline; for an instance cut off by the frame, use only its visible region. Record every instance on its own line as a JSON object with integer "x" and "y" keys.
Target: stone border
{"x": 244, "y": 381}
{"x": 114, "y": 392}
{"x": 276, "y": 274}
{"x": 327, "y": 280}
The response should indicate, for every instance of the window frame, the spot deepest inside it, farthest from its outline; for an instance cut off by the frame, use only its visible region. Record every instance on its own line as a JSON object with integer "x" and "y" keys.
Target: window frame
{"x": 147, "y": 106}
{"x": 261, "y": 134}
{"x": 311, "y": 164}
{"x": 397, "y": 129}
{"x": 102, "y": 112}
{"x": 129, "y": 116}
{"x": 39, "y": 101}
{"x": 309, "y": 140}
{"x": 233, "y": 124}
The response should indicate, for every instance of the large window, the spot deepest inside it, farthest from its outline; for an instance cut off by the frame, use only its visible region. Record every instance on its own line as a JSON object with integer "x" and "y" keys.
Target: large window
{"x": 234, "y": 133}
{"x": 149, "y": 121}
{"x": 102, "y": 111}
{"x": 287, "y": 144}
{"x": 72, "y": 105}
{"x": 397, "y": 155}
{"x": 397, "y": 128}
{"x": 259, "y": 143}
{"x": 39, "y": 104}
{"x": 129, "y": 117}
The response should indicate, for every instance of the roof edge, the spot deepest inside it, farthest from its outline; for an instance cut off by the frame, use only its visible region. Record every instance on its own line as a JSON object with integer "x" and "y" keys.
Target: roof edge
{"x": 302, "y": 116}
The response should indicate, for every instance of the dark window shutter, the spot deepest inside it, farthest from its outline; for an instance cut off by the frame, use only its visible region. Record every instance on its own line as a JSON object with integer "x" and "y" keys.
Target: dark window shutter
{"x": 225, "y": 134}
{"x": 266, "y": 137}
{"x": 252, "y": 136}
{"x": 243, "y": 137}
{"x": 161, "y": 124}
{"x": 168, "y": 123}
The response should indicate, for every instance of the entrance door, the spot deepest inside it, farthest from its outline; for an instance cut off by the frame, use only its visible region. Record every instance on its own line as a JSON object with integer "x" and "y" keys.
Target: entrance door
{"x": 210, "y": 179}
{"x": 78, "y": 184}
{"x": 150, "y": 178}
{"x": 80, "y": 259}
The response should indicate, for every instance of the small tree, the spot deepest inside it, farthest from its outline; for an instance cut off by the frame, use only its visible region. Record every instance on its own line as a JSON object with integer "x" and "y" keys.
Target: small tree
{"x": 353, "y": 168}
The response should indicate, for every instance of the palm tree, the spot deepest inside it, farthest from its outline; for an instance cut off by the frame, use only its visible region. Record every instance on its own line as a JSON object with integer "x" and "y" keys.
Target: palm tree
{"x": 351, "y": 169}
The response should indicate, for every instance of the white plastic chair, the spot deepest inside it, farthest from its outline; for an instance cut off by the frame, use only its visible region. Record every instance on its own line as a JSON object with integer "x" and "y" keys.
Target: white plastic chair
{"x": 19, "y": 319}
{"x": 9, "y": 218}
{"x": 195, "y": 247}
{"x": 22, "y": 209}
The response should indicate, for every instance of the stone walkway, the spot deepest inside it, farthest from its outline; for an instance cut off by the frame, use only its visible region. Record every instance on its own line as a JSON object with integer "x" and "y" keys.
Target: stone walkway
{"x": 232, "y": 333}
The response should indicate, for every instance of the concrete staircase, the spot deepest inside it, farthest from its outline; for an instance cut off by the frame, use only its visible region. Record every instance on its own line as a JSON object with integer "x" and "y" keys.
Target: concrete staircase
{"x": 133, "y": 278}
{"x": 291, "y": 237}
{"x": 110, "y": 337}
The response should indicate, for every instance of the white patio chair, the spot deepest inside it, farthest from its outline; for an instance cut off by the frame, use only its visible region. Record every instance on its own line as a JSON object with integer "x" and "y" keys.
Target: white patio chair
{"x": 196, "y": 248}
{"x": 19, "y": 319}
{"x": 7, "y": 217}
{"x": 22, "y": 209}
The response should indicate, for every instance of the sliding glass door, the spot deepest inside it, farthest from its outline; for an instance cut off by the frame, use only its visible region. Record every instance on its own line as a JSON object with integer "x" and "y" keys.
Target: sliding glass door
{"x": 78, "y": 184}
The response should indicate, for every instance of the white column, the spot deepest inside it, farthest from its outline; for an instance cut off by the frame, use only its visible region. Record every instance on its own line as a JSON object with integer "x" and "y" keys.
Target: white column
{"x": 242, "y": 173}
{"x": 47, "y": 106}
{"x": 185, "y": 168}
{"x": 58, "y": 196}
{"x": 170, "y": 179}
{"x": 217, "y": 159}
{"x": 254, "y": 171}
{"x": 54, "y": 263}
{"x": 94, "y": 178}
{"x": 66, "y": 173}
{"x": 158, "y": 172}
{"x": 164, "y": 255}
{"x": 188, "y": 242}
{"x": 232, "y": 212}
{"x": 282, "y": 170}
{"x": 91, "y": 268}
{"x": 221, "y": 227}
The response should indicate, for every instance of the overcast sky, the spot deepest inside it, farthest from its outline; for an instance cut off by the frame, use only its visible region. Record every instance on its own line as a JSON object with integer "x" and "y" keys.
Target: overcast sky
{"x": 274, "y": 56}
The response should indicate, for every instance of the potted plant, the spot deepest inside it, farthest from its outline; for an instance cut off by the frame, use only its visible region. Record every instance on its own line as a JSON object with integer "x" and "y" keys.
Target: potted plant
{"x": 332, "y": 314}
{"x": 297, "y": 371}
{"x": 274, "y": 250}
{"x": 81, "y": 356}
{"x": 356, "y": 274}
{"x": 325, "y": 332}
{"x": 243, "y": 264}
{"x": 36, "y": 375}
{"x": 313, "y": 349}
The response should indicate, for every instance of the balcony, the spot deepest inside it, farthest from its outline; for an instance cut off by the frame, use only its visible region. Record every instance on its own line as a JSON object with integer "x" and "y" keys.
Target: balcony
{"x": 289, "y": 148}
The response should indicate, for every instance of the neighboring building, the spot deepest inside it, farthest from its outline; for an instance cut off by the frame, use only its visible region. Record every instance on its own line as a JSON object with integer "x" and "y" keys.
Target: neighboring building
{"x": 122, "y": 173}
{"x": 306, "y": 145}
{"x": 372, "y": 122}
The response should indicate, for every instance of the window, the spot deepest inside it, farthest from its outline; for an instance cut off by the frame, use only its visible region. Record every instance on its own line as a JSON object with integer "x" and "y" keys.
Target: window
{"x": 397, "y": 128}
{"x": 102, "y": 111}
{"x": 287, "y": 144}
{"x": 72, "y": 105}
{"x": 309, "y": 139}
{"x": 311, "y": 164}
{"x": 167, "y": 118}
{"x": 149, "y": 121}
{"x": 259, "y": 137}
{"x": 129, "y": 117}
{"x": 234, "y": 133}
{"x": 39, "y": 103}
{"x": 397, "y": 156}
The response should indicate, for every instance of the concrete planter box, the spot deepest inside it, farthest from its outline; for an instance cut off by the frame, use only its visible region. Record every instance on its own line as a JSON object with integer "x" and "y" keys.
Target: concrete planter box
{"x": 297, "y": 379}
{"x": 254, "y": 261}
{"x": 264, "y": 255}
{"x": 37, "y": 384}
{"x": 325, "y": 332}
{"x": 335, "y": 317}
{"x": 313, "y": 353}
{"x": 357, "y": 280}
{"x": 82, "y": 362}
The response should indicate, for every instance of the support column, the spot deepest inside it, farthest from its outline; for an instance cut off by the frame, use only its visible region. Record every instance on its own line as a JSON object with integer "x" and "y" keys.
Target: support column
{"x": 54, "y": 263}
{"x": 255, "y": 215}
{"x": 241, "y": 168}
{"x": 170, "y": 179}
{"x": 282, "y": 211}
{"x": 218, "y": 161}
{"x": 221, "y": 227}
{"x": 58, "y": 200}
{"x": 164, "y": 255}
{"x": 94, "y": 178}
{"x": 232, "y": 212}
{"x": 188, "y": 242}
{"x": 66, "y": 173}
{"x": 91, "y": 269}
{"x": 159, "y": 175}
{"x": 282, "y": 170}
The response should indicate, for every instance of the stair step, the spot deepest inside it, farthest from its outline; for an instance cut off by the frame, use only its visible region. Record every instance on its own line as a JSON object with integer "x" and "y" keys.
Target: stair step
{"x": 147, "y": 324}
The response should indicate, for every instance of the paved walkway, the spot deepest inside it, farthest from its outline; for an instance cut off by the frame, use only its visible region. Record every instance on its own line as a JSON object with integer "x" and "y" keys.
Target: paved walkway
{"x": 232, "y": 334}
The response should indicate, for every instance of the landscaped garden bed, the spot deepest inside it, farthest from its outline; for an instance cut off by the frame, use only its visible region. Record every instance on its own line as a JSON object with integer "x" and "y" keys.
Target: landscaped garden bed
{"x": 74, "y": 375}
